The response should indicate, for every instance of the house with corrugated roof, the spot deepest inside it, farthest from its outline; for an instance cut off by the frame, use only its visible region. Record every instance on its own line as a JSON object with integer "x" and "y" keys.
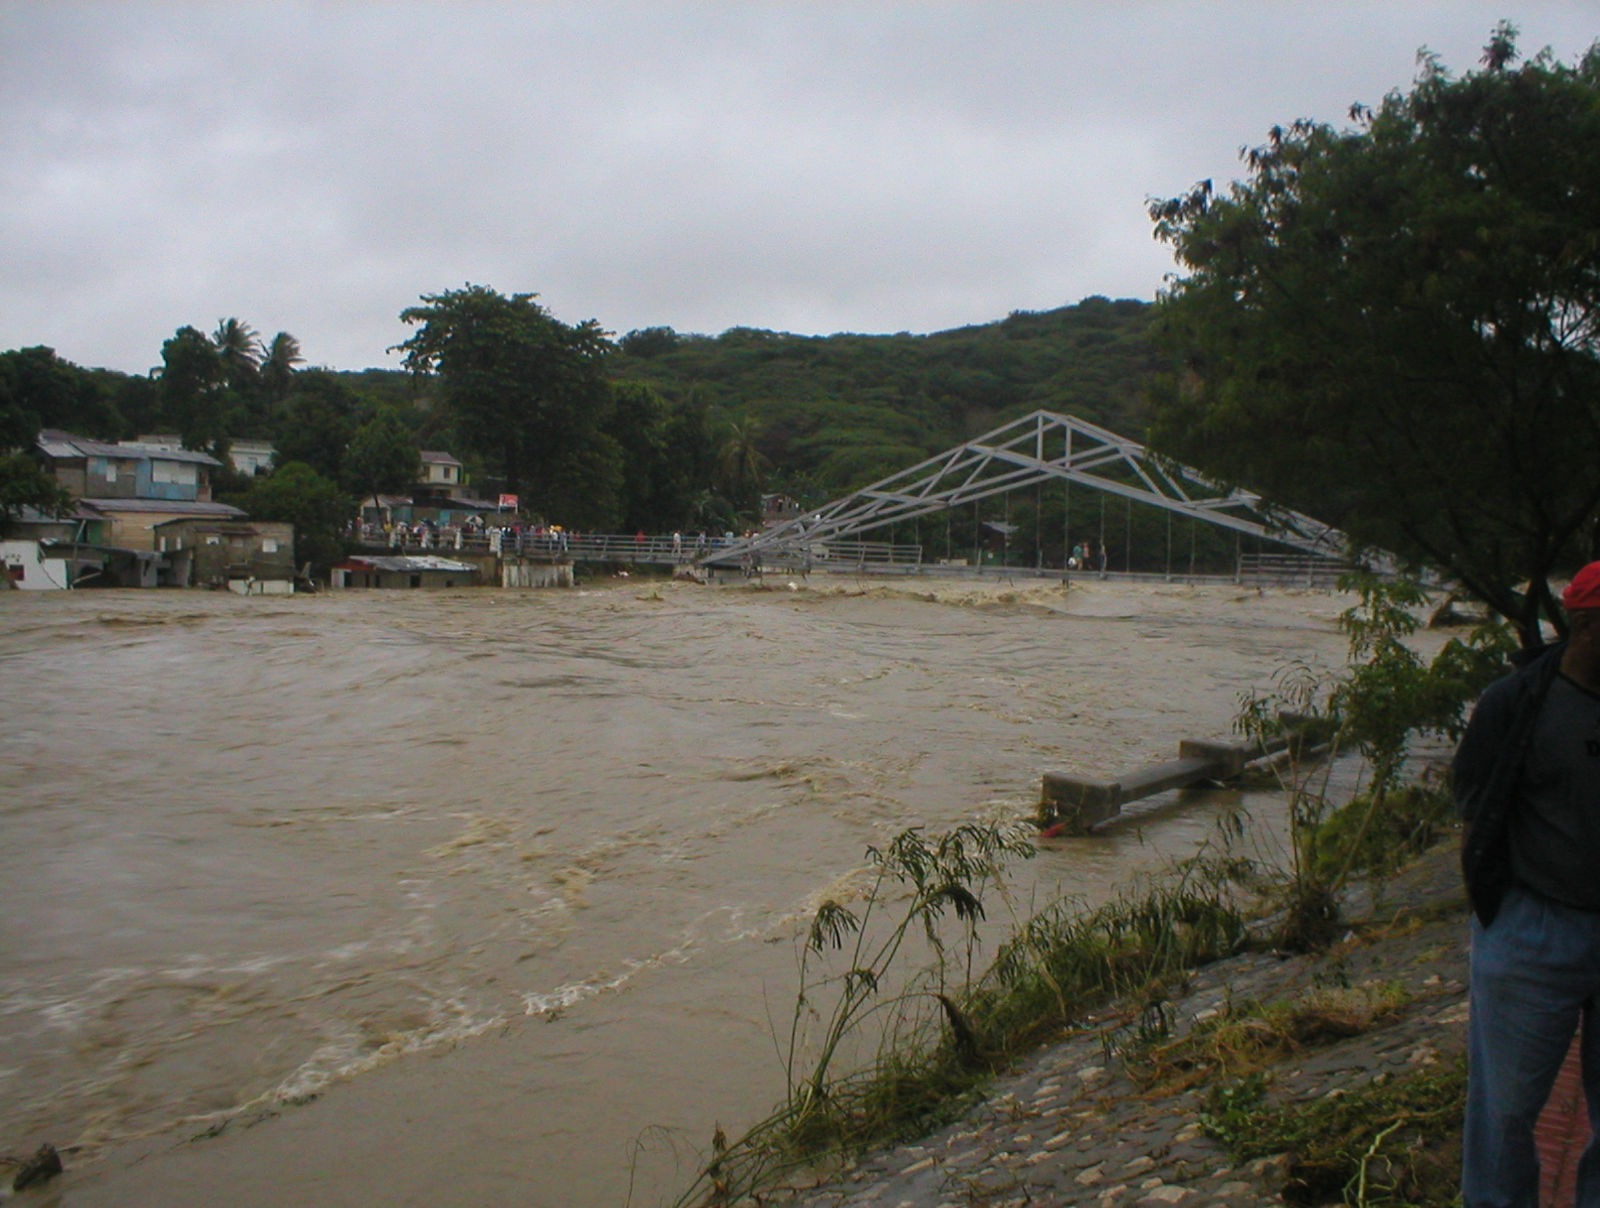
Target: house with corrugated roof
{"x": 404, "y": 571}
{"x": 440, "y": 496}
{"x": 441, "y": 474}
{"x": 135, "y": 486}
{"x": 251, "y": 557}
{"x": 47, "y": 552}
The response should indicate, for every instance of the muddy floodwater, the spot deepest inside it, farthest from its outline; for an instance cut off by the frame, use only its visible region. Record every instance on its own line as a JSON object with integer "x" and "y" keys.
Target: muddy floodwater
{"x": 489, "y": 898}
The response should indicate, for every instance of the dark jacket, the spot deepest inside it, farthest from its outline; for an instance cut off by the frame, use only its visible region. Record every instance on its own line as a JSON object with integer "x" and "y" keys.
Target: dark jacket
{"x": 1487, "y": 772}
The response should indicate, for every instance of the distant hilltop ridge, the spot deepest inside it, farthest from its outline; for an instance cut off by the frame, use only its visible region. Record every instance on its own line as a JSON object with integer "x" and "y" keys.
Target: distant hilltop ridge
{"x": 833, "y": 411}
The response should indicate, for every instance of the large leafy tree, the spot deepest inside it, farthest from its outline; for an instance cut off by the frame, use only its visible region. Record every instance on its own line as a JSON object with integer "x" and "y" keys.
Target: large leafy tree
{"x": 527, "y": 393}
{"x": 317, "y": 422}
{"x": 382, "y": 457}
{"x": 638, "y": 424}
{"x": 318, "y": 509}
{"x": 1395, "y": 325}
{"x": 192, "y": 389}
{"x": 58, "y": 394}
{"x": 668, "y": 455}
{"x": 23, "y": 481}
{"x": 23, "y": 484}
{"x": 689, "y": 449}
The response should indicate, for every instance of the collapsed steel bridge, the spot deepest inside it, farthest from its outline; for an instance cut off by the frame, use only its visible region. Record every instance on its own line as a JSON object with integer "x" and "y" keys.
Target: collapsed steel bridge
{"x": 1039, "y": 448}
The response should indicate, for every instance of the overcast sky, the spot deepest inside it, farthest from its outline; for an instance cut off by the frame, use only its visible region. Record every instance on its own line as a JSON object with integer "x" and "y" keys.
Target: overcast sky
{"x": 808, "y": 167}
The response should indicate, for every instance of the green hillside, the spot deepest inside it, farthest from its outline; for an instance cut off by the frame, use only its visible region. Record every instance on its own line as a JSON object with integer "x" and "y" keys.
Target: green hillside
{"x": 674, "y": 431}
{"x": 831, "y": 413}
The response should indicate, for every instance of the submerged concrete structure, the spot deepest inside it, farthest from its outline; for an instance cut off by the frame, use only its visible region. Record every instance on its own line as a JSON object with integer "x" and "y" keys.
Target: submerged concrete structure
{"x": 1074, "y": 804}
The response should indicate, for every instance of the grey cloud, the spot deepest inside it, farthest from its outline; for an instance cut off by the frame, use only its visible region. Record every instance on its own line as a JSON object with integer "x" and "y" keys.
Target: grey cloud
{"x": 809, "y": 166}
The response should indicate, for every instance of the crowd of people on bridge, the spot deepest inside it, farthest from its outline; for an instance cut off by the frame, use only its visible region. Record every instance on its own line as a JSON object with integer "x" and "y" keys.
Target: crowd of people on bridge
{"x": 1081, "y": 558}
{"x": 472, "y": 533}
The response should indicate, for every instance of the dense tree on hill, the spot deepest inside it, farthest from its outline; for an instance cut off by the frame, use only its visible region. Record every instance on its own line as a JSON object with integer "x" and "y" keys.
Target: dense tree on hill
{"x": 824, "y": 414}
{"x": 649, "y": 342}
{"x": 19, "y": 414}
{"x": 690, "y": 447}
{"x": 381, "y": 458}
{"x": 666, "y": 459}
{"x": 259, "y": 375}
{"x": 133, "y": 404}
{"x": 1402, "y": 321}
{"x": 528, "y": 393}
{"x": 834, "y": 412}
{"x": 318, "y": 509}
{"x": 192, "y": 389}
{"x": 317, "y": 422}
{"x": 58, "y": 394}
{"x": 23, "y": 481}
{"x": 98, "y": 403}
{"x": 405, "y": 392}
{"x": 584, "y": 490}
{"x": 212, "y": 389}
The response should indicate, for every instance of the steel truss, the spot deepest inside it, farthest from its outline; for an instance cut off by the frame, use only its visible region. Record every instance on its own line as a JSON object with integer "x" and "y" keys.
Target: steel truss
{"x": 1041, "y": 447}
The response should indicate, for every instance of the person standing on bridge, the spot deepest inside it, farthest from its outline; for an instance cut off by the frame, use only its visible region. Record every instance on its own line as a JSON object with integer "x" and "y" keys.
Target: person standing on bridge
{"x": 1526, "y": 781}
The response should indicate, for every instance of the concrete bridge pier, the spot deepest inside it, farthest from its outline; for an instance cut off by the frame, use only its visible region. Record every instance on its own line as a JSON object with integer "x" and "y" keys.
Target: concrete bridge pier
{"x": 1074, "y": 804}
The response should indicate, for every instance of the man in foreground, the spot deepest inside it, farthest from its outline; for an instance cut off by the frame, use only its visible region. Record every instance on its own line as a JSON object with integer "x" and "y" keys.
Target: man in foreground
{"x": 1527, "y": 784}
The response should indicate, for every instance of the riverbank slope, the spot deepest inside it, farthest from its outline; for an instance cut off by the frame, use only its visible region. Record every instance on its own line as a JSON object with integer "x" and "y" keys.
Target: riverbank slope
{"x": 1082, "y": 1123}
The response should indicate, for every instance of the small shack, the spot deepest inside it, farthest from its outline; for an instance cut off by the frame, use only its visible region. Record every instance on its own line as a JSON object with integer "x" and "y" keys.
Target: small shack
{"x": 251, "y": 557}
{"x": 403, "y": 570}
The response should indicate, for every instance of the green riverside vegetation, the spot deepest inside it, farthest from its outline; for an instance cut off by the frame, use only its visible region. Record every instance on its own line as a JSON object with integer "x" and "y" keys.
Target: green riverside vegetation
{"x": 656, "y": 430}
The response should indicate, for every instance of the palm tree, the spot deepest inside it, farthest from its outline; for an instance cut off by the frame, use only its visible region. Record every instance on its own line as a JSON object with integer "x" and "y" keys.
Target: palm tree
{"x": 277, "y": 369}
{"x": 240, "y": 349}
{"x": 740, "y": 465}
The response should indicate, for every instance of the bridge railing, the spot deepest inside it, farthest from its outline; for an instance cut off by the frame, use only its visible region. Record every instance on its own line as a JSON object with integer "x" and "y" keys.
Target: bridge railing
{"x": 1304, "y": 570}
{"x": 618, "y": 547}
{"x": 662, "y": 549}
{"x": 838, "y": 555}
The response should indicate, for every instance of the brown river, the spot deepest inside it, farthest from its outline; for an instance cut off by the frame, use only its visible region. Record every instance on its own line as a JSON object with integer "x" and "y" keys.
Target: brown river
{"x": 489, "y": 898}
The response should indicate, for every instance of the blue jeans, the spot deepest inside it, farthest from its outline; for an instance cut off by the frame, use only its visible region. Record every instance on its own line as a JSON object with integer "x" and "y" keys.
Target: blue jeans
{"x": 1535, "y": 972}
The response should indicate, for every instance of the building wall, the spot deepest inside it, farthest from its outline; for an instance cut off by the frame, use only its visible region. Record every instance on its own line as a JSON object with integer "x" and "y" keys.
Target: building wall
{"x": 29, "y": 571}
{"x": 134, "y": 529}
{"x": 203, "y": 552}
{"x": 112, "y": 477}
{"x": 514, "y": 572}
{"x": 218, "y": 558}
{"x": 149, "y": 477}
{"x": 413, "y": 579}
{"x": 72, "y": 475}
{"x": 176, "y": 480}
{"x": 261, "y": 587}
{"x": 251, "y": 456}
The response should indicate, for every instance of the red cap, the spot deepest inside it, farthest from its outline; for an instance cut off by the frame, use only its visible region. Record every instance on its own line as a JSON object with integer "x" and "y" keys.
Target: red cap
{"x": 1584, "y": 590}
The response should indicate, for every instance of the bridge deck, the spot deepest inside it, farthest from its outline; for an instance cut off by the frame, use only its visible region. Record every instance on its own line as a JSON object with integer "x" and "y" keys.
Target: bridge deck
{"x": 836, "y": 555}
{"x": 667, "y": 550}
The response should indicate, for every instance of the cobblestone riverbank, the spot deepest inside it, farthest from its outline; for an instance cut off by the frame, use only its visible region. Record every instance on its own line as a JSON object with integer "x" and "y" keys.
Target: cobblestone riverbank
{"x": 1069, "y": 1126}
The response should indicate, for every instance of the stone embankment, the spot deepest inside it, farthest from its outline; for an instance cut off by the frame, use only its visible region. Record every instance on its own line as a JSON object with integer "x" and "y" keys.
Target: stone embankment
{"x": 1068, "y": 1126}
